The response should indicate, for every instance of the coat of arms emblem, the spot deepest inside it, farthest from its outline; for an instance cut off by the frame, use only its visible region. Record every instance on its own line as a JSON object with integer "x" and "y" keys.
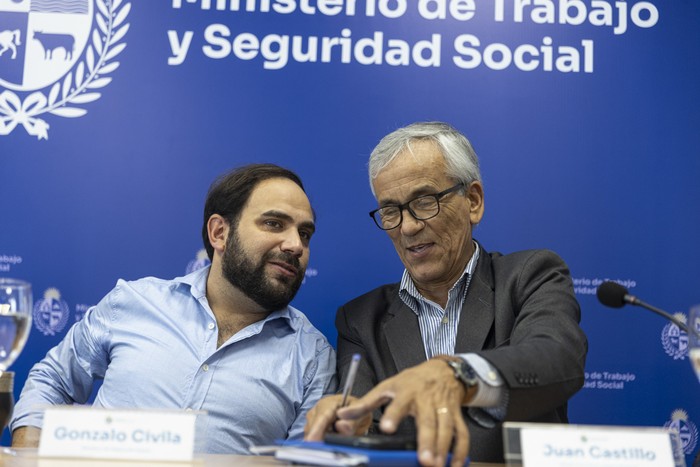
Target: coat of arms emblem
{"x": 55, "y": 55}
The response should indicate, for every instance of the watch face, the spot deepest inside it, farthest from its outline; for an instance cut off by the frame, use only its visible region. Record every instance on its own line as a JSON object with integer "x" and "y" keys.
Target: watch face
{"x": 464, "y": 372}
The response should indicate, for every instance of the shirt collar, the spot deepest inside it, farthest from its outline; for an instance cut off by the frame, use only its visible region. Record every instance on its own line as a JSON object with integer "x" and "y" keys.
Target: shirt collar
{"x": 197, "y": 281}
{"x": 408, "y": 288}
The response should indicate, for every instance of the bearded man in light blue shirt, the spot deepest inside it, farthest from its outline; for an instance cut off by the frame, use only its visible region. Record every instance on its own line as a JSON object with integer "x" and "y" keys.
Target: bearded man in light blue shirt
{"x": 222, "y": 339}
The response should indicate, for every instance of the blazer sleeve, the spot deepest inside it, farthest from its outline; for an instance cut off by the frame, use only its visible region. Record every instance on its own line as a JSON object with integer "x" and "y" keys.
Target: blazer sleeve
{"x": 543, "y": 360}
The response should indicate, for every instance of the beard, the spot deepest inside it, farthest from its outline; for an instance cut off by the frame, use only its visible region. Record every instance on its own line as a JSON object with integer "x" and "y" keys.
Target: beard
{"x": 248, "y": 276}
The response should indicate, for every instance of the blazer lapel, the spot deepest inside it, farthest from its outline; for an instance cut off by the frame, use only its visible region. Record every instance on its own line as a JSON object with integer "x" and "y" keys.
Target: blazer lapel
{"x": 478, "y": 313}
{"x": 403, "y": 335}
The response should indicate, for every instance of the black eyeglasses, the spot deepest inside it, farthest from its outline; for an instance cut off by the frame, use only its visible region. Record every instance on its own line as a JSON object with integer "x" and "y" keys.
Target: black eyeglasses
{"x": 421, "y": 208}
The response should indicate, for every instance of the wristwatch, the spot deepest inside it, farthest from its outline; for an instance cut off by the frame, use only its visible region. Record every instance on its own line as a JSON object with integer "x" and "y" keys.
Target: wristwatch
{"x": 463, "y": 372}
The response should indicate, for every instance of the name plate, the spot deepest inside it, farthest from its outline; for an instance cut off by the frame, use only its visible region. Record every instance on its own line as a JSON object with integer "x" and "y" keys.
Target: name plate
{"x": 82, "y": 432}
{"x": 591, "y": 446}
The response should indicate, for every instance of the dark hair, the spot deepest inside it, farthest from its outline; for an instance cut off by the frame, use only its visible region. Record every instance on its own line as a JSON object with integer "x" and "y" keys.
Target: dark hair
{"x": 230, "y": 192}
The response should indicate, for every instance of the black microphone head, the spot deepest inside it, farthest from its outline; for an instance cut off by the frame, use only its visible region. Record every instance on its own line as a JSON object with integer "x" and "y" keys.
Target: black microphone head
{"x": 611, "y": 294}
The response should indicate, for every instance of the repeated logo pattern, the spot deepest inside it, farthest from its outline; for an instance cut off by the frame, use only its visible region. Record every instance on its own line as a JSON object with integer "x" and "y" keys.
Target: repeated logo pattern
{"x": 687, "y": 430}
{"x": 51, "y": 313}
{"x": 675, "y": 340}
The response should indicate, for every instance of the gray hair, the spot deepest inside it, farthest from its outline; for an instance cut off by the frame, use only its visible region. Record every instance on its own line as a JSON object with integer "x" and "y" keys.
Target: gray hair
{"x": 460, "y": 158}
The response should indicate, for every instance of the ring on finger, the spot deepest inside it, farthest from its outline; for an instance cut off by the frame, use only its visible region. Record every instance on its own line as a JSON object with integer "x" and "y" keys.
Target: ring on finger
{"x": 442, "y": 410}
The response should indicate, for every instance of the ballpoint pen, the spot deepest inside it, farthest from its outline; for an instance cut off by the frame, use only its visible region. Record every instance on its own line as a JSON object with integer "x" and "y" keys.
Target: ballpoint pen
{"x": 352, "y": 372}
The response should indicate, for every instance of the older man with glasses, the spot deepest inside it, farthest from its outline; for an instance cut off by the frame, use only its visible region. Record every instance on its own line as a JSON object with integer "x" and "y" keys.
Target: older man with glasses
{"x": 468, "y": 338}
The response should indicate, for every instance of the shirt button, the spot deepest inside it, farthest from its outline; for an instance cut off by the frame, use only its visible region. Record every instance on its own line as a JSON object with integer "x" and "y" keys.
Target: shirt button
{"x": 211, "y": 325}
{"x": 205, "y": 367}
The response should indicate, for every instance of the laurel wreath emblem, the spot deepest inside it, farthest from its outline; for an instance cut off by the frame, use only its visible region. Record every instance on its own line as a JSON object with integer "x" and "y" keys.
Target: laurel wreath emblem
{"x": 690, "y": 440}
{"x": 54, "y": 322}
{"x": 692, "y": 437}
{"x": 670, "y": 348}
{"x": 80, "y": 83}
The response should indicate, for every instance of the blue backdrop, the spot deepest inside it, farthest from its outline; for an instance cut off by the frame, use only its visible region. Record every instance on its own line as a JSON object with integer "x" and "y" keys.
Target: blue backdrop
{"x": 115, "y": 116}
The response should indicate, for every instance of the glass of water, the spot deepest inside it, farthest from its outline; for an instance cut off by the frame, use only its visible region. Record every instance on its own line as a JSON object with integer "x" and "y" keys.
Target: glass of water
{"x": 15, "y": 319}
{"x": 694, "y": 338}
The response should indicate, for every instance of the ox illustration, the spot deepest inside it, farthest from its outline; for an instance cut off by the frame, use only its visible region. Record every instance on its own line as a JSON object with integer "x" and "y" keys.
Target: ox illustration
{"x": 52, "y": 42}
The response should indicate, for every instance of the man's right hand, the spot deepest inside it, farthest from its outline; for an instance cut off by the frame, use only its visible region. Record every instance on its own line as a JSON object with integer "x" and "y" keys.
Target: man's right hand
{"x": 431, "y": 394}
{"x": 26, "y": 437}
{"x": 322, "y": 418}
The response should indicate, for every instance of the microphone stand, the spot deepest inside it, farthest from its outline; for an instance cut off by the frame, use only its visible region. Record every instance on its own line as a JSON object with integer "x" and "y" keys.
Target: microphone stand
{"x": 632, "y": 300}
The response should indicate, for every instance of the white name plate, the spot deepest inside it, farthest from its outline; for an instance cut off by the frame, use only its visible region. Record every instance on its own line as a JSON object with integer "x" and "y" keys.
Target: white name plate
{"x": 595, "y": 446}
{"x": 83, "y": 432}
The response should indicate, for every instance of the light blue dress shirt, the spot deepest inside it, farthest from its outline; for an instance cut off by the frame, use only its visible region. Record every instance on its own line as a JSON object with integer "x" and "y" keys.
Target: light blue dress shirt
{"x": 153, "y": 342}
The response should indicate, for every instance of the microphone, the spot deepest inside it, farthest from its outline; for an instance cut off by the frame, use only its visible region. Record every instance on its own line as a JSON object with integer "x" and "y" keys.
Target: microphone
{"x": 615, "y": 295}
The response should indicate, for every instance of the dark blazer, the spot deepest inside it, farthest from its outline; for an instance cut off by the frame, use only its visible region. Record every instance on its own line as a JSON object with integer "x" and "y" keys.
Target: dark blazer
{"x": 520, "y": 314}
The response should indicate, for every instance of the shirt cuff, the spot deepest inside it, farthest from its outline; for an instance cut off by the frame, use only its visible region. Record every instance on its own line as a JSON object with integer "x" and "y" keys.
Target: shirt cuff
{"x": 491, "y": 390}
